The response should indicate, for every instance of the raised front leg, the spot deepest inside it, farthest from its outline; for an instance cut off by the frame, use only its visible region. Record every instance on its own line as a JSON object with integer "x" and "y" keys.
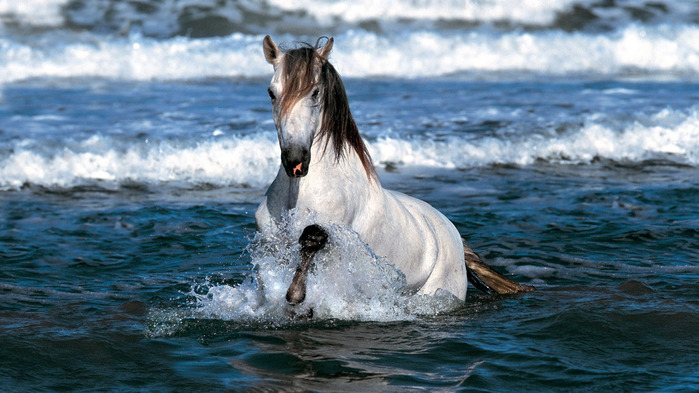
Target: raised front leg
{"x": 312, "y": 239}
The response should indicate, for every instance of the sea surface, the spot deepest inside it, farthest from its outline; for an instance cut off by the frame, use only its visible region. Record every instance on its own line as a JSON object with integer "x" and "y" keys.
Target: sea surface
{"x": 136, "y": 141}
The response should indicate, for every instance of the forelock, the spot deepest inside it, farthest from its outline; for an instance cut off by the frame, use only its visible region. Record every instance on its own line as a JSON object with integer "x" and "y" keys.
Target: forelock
{"x": 298, "y": 75}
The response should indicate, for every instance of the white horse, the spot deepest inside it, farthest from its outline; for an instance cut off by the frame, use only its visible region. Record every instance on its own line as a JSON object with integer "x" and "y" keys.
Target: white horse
{"x": 326, "y": 169}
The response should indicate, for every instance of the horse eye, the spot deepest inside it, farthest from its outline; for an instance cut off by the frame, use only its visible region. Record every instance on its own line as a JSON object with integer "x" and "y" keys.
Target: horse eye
{"x": 315, "y": 94}
{"x": 271, "y": 94}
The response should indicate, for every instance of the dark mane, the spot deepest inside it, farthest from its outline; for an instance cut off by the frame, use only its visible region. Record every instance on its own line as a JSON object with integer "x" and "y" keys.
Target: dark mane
{"x": 338, "y": 125}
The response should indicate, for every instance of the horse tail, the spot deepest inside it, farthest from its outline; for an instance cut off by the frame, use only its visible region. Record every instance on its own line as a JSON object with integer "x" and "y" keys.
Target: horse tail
{"x": 488, "y": 280}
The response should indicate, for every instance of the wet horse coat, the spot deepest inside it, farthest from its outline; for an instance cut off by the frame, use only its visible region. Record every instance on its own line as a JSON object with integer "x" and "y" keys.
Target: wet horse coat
{"x": 327, "y": 171}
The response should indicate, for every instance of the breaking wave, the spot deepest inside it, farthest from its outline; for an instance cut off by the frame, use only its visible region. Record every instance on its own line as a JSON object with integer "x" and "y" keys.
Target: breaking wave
{"x": 207, "y": 18}
{"x": 663, "y": 51}
{"x": 253, "y": 160}
{"x": 179, "y": 40}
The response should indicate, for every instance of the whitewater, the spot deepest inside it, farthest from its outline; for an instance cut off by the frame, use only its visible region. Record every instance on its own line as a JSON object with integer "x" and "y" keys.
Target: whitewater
{"x": 247, "y": 152}
{"x": 136, "y": 141}
{"x": 665, "y": 51}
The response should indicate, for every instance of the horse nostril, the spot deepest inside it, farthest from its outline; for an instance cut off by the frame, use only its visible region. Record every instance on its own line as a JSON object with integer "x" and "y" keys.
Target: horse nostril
{"x": 296, "y": 161}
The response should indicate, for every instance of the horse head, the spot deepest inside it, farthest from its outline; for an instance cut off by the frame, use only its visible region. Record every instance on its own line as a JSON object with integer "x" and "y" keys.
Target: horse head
{"x": 296, "y": 92}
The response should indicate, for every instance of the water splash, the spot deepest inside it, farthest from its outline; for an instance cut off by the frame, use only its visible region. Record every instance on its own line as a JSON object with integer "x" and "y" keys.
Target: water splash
{"x": 348, "y": 282}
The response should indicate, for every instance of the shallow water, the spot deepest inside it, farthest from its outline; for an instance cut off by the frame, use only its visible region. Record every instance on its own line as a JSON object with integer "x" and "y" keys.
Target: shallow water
{"x": 132, "y": 161}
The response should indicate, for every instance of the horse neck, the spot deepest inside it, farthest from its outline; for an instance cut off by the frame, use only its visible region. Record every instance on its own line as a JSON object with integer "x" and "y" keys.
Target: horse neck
{"x": 333, "y": 187}
{"x": 327, "y": 165}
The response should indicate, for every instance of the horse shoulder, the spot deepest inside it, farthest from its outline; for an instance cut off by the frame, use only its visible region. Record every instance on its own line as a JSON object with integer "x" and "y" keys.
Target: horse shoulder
{"x": 337, "y": 191}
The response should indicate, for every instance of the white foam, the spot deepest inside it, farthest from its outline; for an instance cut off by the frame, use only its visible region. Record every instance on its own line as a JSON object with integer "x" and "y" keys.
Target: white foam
{"x": 40, "y": 13}
{"x": 640, "y": 51}
{"x": 348, "y": 282}
{"x": 526, "y": 11}
{"x": 134, "y": 58}
{"x": 654, "y": 50}
{"x": 668, "y": 133}
{"x": 254, "y": 160}
{"x": 251, "y": 161}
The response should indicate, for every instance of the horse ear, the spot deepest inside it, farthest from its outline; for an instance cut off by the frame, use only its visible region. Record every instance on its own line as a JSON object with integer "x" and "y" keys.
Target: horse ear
{"x": 324, "y": 52}
{"x": 271, "y": 50}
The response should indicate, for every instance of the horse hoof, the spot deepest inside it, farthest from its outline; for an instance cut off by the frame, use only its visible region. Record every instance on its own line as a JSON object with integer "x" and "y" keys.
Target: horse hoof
{"x": 296, "y": 294}
{"x": 313, "y": 238}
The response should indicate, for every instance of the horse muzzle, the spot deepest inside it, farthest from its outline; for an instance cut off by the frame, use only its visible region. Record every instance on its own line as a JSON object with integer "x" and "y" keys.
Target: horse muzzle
{"x": 296, "y": 161}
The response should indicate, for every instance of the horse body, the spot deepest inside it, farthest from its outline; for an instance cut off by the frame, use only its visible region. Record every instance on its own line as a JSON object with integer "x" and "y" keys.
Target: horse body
{"x": 326, "y": 170}
{"x": 412, "y": 235}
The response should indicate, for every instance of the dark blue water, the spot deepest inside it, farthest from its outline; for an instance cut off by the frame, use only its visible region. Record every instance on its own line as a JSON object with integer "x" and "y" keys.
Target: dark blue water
{"x": 136, "y": 141}
{"x": 114, "y": 238}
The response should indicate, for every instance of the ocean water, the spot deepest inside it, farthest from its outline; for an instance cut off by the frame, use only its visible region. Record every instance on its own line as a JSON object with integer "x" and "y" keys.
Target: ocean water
{"x": 136, "y": 141}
